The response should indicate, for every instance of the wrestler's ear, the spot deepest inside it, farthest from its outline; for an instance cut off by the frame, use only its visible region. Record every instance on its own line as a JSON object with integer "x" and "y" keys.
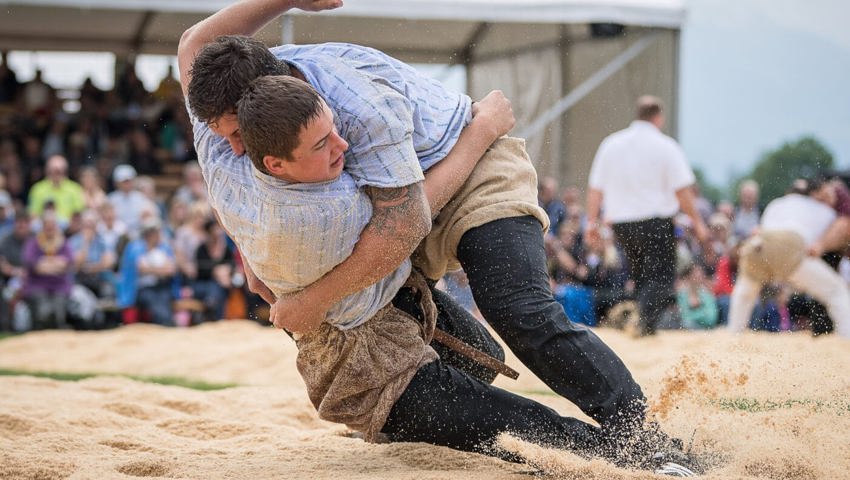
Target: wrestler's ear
{"x": 273, "y": 164}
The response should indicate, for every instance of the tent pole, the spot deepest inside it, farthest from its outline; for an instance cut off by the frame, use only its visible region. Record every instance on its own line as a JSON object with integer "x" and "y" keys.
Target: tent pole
{"x": 560, "y": 168}
{"x": 467, "y": 55}
{"x": 587, "y": 86}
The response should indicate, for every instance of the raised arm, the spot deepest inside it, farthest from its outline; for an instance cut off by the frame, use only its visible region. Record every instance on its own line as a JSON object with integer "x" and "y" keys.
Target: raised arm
{"x": 246, "y": 17}
{"x": 400, "y": 220}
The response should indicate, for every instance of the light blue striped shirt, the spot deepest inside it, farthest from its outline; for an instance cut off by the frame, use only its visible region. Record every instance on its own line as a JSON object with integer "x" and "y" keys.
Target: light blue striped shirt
{"x": 397, "y": 123}
{"x": 292, "y": 234}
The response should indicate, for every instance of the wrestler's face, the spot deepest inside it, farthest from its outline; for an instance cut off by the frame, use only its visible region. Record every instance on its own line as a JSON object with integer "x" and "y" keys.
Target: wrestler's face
{"x": 319, "y": 156}
{"x": 227, "y": 126}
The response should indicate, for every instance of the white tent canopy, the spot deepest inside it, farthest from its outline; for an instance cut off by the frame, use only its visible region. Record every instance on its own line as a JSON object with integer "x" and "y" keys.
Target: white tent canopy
{"x": 154, "y": 26}
{"x": 537, "y": 51}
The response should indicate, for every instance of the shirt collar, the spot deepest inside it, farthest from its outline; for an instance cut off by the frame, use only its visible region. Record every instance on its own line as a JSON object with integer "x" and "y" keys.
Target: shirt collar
{"x": 643, "y": 124}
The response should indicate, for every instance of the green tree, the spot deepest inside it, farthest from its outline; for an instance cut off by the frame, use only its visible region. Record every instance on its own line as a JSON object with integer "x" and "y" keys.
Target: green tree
{"x": 708, "y": 189}
{"x": 777, "y": 169}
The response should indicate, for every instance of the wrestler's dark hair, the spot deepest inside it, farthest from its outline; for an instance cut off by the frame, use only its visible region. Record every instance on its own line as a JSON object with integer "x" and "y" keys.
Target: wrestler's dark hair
{"x": 223, "y": 69}
{"x": 648, "y": 107}
{"x": 815, "y": 183}
{"x": 272, "y": 112}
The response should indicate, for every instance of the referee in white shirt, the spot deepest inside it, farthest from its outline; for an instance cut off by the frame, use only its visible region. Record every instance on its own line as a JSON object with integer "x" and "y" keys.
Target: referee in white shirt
{"x": 641, "y": 179}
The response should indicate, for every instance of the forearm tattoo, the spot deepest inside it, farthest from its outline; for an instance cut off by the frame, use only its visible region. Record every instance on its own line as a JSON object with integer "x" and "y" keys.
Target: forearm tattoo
{"x": 395, "y": 210}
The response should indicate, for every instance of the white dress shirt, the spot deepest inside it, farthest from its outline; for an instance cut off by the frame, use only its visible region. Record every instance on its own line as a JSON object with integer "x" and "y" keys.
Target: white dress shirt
{"x": 638, "y": 170}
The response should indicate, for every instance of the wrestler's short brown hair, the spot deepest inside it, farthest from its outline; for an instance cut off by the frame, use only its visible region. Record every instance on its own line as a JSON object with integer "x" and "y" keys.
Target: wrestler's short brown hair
{"x": 223, "y": 69}
{"x": 272, "y": 112}
{"x": 648, "y": 107}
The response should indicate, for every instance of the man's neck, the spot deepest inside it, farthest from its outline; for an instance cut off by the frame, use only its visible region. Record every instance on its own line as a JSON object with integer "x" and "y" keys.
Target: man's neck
{"x": 297, "y": 74}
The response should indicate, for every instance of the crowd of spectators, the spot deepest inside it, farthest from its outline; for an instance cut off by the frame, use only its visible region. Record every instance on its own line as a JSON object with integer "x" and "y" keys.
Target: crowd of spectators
{"x": 591, "y": 279}
{"x": 90, "y": 235}
{"x": 88, "y": 239}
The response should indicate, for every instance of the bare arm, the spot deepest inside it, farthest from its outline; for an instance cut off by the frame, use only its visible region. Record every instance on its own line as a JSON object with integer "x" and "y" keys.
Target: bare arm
{"x": 835, "y": 238}
{"x": 246, "y": 17}
{"x": 687, "y": 204}
{"x": 10, "y": 270}
{"x": 594, "y": 205}
{"x": 401, "y": 218}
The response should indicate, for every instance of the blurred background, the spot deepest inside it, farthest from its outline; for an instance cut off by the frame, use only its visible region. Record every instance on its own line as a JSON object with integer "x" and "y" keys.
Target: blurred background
{"x": 755, "y": 91}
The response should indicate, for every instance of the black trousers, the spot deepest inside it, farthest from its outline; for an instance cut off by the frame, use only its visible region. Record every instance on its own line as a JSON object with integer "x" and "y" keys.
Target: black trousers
{"x": 449, "y": 402}
{"x": 650, "y": 247}
{"x": 506, "y": 264}
{"x": 456, "y": 321}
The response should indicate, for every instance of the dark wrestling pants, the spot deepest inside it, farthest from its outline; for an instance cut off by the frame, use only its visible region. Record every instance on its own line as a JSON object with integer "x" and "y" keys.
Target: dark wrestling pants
{"x": 448, "y": 404}
{"x": 505, "y": 261}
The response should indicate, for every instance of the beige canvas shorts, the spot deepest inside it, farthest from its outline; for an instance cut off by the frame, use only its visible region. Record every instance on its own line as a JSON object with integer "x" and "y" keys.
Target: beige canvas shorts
{"x": 772, "y": 255}
{"x": 502, "y": 185}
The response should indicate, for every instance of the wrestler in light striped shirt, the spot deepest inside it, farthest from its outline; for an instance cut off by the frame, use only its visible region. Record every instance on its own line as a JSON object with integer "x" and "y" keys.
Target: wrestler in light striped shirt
{"x": 292, "y": 234}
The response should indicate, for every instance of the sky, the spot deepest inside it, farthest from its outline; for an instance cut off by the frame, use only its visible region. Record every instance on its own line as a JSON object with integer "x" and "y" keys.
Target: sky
{"x": 754, "y": 74}
{"x": 758, "y": 73}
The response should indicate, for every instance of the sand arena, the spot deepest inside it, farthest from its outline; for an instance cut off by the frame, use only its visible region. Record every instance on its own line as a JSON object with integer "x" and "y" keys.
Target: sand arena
{"x": 766, "y": 406}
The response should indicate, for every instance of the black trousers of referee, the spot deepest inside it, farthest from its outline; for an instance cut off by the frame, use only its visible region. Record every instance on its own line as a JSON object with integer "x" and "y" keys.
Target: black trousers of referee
{"x": 650, "y": 248}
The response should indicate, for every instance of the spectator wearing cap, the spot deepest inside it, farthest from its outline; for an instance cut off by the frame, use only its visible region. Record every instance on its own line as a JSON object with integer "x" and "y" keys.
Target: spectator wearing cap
{"x": 56, "y": 187}
{"x": 147, "y": 275}
{"x": 128, "y": 202}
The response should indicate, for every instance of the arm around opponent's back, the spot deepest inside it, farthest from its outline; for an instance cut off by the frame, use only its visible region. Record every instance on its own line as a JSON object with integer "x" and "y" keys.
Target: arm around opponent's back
{"x": 401, "y": 218}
